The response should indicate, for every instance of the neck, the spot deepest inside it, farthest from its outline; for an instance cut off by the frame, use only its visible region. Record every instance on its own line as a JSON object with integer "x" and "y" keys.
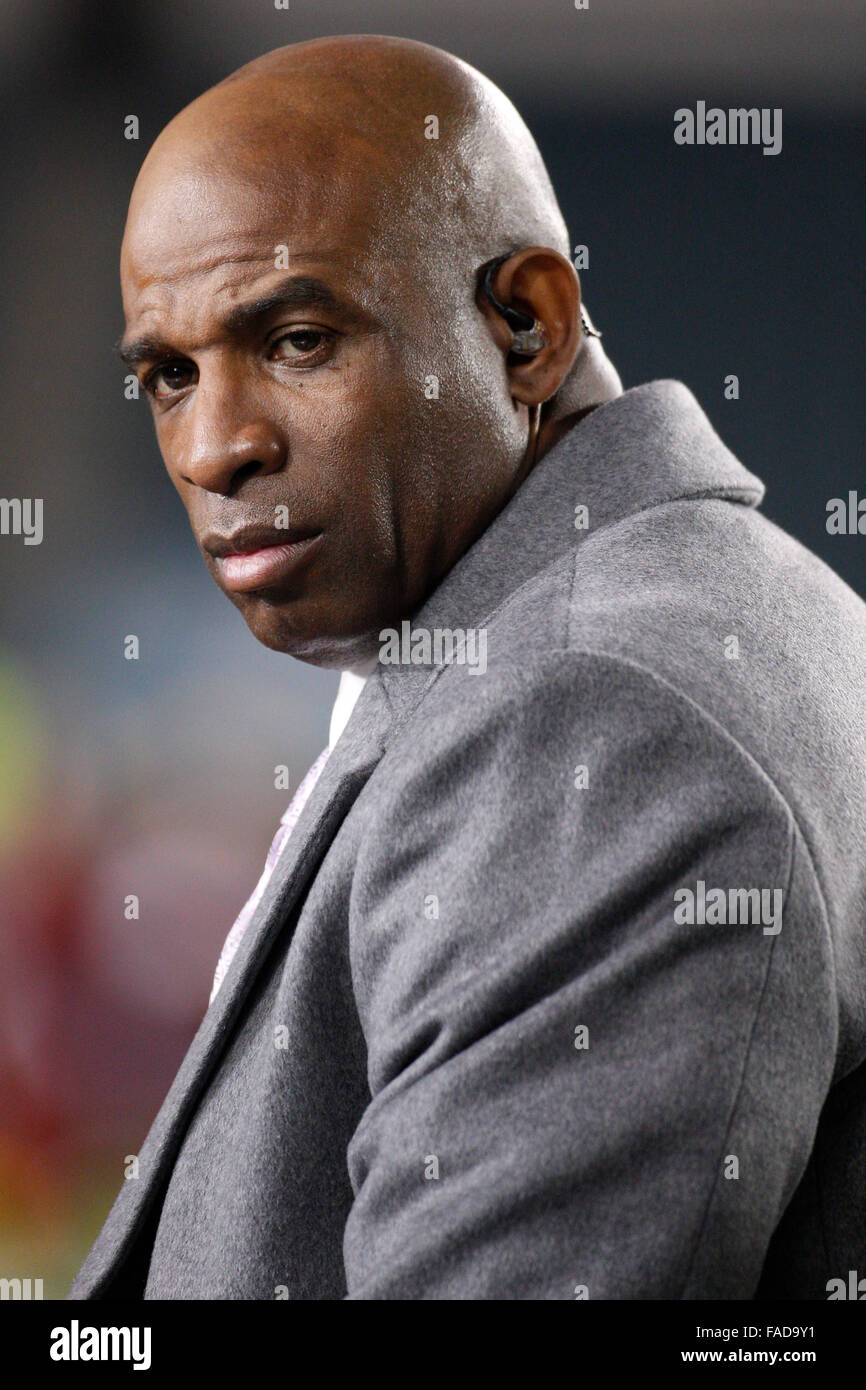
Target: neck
{"x": 593, "y": 380}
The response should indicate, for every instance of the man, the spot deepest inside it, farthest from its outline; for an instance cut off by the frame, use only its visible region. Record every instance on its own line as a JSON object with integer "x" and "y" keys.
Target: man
{"x": 555, "y": 985}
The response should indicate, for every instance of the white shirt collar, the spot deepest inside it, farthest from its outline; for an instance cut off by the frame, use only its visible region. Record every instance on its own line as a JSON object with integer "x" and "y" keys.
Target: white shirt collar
{"x": 351, "y": 685}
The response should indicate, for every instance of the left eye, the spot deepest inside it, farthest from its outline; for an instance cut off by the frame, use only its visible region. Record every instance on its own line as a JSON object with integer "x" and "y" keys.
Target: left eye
{"x": 300, "y": 342}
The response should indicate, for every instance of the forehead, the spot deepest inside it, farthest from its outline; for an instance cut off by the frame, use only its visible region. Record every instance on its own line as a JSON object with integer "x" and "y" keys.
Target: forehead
{"x": 199, "y": 232}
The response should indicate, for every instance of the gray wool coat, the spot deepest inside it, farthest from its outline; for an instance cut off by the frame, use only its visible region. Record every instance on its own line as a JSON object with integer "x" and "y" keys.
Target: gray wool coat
{"x": 559, "y": 987}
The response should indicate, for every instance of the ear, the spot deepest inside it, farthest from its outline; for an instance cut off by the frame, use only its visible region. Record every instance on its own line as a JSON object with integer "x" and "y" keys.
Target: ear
{"x": 543, "y": 284}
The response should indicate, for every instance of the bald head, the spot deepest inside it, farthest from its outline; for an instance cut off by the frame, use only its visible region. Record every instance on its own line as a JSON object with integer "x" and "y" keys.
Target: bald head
{"x": 341, "y": 406}
{"x": 439, "y": 156}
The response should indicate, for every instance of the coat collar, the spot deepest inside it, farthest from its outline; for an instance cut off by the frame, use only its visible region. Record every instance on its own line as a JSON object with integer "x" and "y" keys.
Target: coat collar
{"x": 652, "y": 444}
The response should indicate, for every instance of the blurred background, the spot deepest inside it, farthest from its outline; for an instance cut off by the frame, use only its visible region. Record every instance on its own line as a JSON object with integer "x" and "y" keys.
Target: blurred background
{"x": 156, "y": 776}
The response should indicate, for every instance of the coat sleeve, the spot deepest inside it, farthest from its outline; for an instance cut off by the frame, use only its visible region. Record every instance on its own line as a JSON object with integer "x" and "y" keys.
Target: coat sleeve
{"x": 575, "y": 1091}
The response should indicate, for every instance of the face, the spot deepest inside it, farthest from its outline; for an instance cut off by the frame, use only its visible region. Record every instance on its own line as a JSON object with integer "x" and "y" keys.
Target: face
{"x": 287, "y": 346}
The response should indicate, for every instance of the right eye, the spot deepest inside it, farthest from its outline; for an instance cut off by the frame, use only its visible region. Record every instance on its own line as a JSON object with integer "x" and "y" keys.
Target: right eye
{"x": 169, "y": 378}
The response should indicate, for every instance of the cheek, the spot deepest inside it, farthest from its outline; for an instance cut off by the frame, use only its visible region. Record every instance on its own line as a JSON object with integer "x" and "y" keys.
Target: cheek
{"x": 346, "y": 446}
{"x": 170, "y": 449}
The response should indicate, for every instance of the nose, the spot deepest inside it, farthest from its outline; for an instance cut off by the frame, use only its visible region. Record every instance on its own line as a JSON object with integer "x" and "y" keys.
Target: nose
{"x": 224, "y": 450}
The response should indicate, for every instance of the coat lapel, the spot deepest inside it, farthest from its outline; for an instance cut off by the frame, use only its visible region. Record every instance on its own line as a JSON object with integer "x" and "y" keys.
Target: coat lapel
{"x": 355, "y": 755}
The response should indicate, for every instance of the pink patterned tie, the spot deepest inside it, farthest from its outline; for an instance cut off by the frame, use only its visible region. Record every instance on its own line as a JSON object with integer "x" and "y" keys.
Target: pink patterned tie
{"x": 287, "y": 824}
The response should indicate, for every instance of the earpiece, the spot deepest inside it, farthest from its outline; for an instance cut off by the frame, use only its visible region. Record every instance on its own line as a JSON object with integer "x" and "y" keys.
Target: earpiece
{"x": 528, "y": 341}
{"x": 529, "y": 335}
{"x": 528, "y": 332}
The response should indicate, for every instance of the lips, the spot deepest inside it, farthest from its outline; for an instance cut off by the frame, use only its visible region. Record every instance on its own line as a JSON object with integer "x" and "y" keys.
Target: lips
{"x": 257, "y": 557}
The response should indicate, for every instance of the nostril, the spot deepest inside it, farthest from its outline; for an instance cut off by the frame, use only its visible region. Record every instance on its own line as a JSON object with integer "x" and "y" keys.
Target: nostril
{"x": 245, "y": 471}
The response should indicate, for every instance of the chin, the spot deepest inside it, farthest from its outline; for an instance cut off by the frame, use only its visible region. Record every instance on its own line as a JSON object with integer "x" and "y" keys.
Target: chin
{"x": 317, "y": 643}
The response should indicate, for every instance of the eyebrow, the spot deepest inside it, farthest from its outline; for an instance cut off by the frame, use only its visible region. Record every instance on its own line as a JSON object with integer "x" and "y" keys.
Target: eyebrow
{"x": 299, "y": 291}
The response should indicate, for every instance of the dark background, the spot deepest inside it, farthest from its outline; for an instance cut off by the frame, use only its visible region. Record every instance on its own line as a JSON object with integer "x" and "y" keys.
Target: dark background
{"x": 156, "y": 776}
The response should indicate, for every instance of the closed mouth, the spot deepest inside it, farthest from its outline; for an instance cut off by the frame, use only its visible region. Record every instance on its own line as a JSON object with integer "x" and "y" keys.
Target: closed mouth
{"x": 260, "y": 558}
{"x": 250, "y": 539}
